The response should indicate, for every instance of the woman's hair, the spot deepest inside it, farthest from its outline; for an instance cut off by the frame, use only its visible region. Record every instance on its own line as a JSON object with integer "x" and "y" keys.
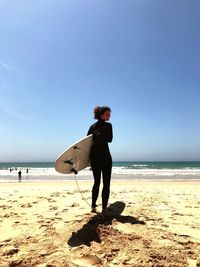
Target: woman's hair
{"x": 98, "y": 111}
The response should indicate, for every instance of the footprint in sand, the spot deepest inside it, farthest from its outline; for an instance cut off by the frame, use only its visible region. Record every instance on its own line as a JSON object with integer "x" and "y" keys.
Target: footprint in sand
{"x": 40, "y": 216}
{"x": 41, "y": 197}
{"x": 129, "y": 204}
{"x": 7, "y": 215}
{"x": 57, "y": 213}
{"x": 87, "y": 261}
{"x": 75, "y": 205}
{"x": 51, "y": 200}
{"x": 55, "y": 194}
{"x": 5, "y": 206}
{"x": 28, "y": 205}
{"x": 65, "y": 210}
{"x": 67, "y": 192}
{"x": 58, "y": 218}
{"x": 53, "y": 208}
{"x": 9, "y": 251}
{"x": 5, "y": 242}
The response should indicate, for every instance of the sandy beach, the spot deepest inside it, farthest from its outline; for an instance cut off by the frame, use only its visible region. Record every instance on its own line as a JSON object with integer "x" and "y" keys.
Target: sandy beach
{"x": 151, "y": 223}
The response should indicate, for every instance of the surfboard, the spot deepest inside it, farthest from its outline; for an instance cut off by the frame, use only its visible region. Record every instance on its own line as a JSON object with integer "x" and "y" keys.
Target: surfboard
{"x": 76, "y": 157}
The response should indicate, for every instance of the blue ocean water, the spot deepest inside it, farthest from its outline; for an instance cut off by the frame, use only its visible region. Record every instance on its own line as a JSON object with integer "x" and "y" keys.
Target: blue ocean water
{"x": 158, "y": 164}
{"x": 123, "y": 164}
{"x": 121, "y": 170}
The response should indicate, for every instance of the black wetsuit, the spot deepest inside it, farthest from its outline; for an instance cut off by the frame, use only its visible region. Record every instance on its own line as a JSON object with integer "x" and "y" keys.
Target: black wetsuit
{"x": 101, "y": 160}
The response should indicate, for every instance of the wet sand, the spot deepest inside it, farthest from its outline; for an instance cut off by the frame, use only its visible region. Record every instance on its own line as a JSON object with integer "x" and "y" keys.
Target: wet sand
{"x": 151, "y": 223}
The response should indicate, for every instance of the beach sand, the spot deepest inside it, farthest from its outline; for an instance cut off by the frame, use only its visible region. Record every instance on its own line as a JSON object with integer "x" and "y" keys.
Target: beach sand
{"x": 151, "y": 223}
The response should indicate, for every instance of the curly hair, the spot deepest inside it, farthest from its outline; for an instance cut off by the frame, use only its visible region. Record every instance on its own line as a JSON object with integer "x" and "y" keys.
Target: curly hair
{"x": 98, "y": 111}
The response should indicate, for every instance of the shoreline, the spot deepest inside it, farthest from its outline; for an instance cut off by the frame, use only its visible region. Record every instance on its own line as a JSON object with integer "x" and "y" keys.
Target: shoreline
{"x": 114, "y": 179}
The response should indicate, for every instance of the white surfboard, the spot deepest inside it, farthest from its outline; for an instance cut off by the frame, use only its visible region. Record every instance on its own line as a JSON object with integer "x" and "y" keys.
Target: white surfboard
{"x": 76, "y": 157}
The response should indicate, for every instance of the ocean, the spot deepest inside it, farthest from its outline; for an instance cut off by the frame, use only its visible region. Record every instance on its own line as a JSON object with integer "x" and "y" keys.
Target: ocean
{"x": 121, "y": 170}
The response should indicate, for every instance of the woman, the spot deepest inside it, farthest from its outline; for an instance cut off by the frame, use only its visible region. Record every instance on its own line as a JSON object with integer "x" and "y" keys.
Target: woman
{"x": 101, "y": 160}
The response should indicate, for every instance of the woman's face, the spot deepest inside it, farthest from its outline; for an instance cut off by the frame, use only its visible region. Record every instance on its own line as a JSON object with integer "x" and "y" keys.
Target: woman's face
{"x": 106, "y": 115}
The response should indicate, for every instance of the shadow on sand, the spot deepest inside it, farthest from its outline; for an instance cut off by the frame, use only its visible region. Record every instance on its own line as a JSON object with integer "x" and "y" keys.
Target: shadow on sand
{"x": 90, "y": 230}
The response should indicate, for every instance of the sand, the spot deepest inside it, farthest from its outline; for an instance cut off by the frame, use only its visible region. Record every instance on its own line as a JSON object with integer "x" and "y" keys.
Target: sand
{"x": 151, "y": 223}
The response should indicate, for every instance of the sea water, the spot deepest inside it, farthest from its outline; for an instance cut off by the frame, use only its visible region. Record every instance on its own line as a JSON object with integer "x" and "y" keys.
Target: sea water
{"x": 120, "y": 170}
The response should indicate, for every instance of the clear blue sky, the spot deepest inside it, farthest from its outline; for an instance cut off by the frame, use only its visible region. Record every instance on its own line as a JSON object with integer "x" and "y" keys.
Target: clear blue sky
{"x": 59, "y": 59}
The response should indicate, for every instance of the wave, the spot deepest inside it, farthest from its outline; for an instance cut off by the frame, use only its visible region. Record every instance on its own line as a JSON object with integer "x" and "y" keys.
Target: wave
{"x": 156, "y": 172}
{"x": 127, "y": 171}
{"x": 136, "y": 166}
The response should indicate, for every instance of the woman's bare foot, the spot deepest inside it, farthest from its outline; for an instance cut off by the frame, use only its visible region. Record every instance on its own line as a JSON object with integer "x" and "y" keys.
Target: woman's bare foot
{"x": 93, "y": 210}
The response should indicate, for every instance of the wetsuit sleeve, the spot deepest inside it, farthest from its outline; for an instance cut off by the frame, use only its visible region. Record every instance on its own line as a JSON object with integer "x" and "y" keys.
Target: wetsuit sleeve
{"x": 101, "y": 135}
{"x": 109, "y": 135}
{"x": 96, "y": 134}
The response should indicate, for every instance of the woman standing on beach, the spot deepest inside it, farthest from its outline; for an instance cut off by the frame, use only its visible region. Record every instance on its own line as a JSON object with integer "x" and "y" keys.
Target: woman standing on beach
{"x": 101, "y": 160}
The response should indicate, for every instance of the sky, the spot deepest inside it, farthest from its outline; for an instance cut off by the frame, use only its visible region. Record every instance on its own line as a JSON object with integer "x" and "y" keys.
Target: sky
{"x": 59, "y": 59}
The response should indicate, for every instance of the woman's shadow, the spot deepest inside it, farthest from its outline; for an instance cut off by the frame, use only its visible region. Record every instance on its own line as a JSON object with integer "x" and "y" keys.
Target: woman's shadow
{"x": 90, "y": 231}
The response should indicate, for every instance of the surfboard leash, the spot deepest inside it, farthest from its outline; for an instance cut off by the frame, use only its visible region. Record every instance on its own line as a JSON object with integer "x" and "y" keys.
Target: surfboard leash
{"x": 81, "y": 191}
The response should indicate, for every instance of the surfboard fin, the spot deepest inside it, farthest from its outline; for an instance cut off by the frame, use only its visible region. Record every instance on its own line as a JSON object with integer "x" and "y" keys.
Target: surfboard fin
{"x": 76, "y": 147}
{"x": 69, "y": 162}
{"x": 74, "y": 171}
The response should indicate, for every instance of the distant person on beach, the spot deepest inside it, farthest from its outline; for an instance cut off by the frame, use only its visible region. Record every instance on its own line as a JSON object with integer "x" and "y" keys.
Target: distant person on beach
{"x": 26, "y": 170}
{"x": 20, "y": 176}
{"x": 10, "y": 169}
{"x": 101, "y": 160}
